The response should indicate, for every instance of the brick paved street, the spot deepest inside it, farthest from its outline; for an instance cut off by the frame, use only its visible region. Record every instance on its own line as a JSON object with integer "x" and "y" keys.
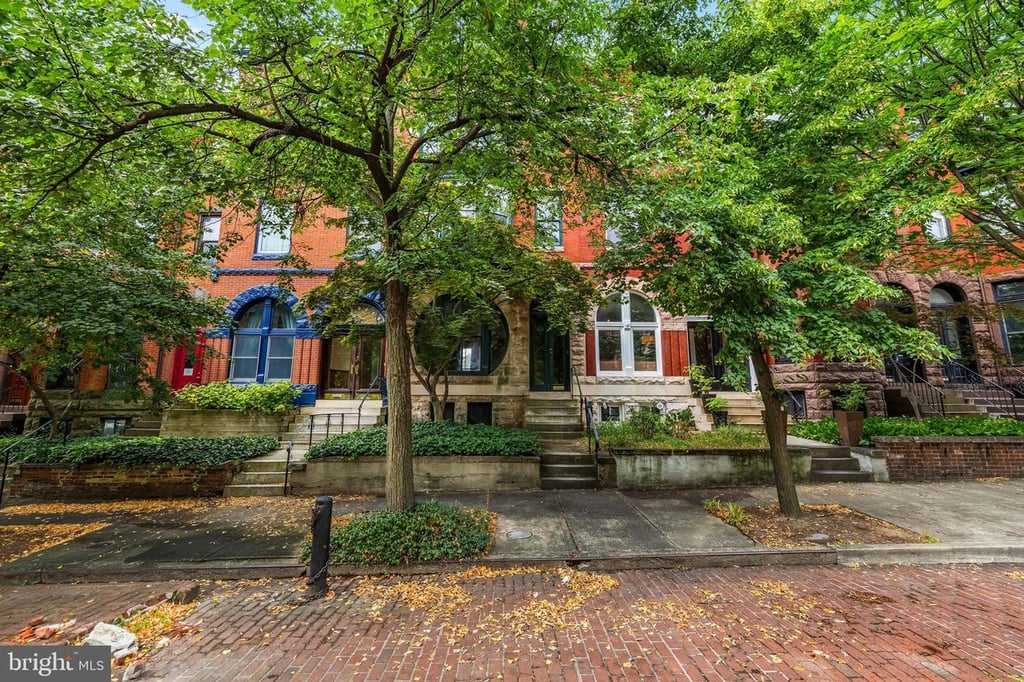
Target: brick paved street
{"x": 910, "y": 623}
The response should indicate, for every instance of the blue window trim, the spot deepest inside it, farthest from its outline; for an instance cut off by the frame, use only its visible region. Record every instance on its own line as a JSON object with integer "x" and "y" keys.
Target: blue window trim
{"x": 265, "y": 331}
{"x": 303, "y": 328}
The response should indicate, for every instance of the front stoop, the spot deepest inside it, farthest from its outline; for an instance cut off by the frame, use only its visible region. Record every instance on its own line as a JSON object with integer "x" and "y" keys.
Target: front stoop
{"x": 562, "y": 465}
{"x": 264, "y": 476}
{"x": 836, "y": 465}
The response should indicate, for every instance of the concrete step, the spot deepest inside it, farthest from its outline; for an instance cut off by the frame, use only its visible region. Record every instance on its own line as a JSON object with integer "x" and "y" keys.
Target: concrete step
{"x": 568, "y": 471}
{"x": 566, "y": 458}
{"x": 259, "y": 478}
{"x": 568, "y": 483}
{"x": 834, "y": 464}
{"x": 254, "y": 490}
{"x": 840, "y": 477}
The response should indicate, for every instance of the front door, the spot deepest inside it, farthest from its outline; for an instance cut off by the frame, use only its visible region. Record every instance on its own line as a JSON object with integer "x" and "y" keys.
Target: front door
{"x": 354, "y": 365}
{"x": 549, "y": 354}
{"x": 188, "y": 364}
{"x": 705, "y": 344}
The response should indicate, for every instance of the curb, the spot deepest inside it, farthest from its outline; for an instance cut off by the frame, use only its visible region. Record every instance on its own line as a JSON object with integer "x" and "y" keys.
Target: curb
{"x": 157, "y": 573}
{"x": 939, "y": 553}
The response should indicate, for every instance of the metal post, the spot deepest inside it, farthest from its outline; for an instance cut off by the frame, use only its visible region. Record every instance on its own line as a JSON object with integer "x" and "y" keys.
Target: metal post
{"x": 3, "y": 477}
{"x": 316, "y": 582}
{"x": 312, "y": 418}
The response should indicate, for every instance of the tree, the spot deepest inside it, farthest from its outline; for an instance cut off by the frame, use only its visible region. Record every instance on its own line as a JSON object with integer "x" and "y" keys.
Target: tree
{"x": 952, "y": 69}
{"x": 763, "y": 210}
{"x": 366, "y": 104}
{"x": 472, "y": 259}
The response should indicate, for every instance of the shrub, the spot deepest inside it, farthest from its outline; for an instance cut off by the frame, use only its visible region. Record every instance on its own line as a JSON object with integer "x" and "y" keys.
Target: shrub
{"x": 200, "y": 453}
{"x": 826, "y": 431}
{"x": 268, "y": 398}
{"x": 727, "y": 438}
{"x": 646, "y": 420}
{"x": 622, "y": 435}
{"x": 430, "y": 531}
{"x": 433, "y": 439}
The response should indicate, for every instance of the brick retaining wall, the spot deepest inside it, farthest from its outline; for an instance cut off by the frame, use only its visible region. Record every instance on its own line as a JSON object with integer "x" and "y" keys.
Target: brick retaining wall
{"x": 950, "y": 458}
{"x": 100, "y": 482}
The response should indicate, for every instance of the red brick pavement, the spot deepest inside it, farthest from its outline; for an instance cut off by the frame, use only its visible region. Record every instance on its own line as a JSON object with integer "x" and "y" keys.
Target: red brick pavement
{"x": 877, "y": 623}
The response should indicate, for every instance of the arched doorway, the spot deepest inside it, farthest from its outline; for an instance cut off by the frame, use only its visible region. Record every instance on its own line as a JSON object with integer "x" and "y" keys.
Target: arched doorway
{"x": 354, "y": 354}
{"x": 947, "y": 302}
{"x": 902, "y": 311}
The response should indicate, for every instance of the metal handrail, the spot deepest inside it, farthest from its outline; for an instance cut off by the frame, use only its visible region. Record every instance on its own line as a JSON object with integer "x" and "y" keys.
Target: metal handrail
{"x": 799, "y": 409}
{"x": 917, "y": 387}
{"x": 592, "y": 431}
{"x": 1016, "y": 383}
{"x": 992, "y": 393}
{"x": 574, "y": 377}
{"x": 369, "y": 390}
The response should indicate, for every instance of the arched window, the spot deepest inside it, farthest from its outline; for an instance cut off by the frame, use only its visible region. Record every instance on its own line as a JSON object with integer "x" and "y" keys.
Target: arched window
{"x": 263, "y": 343}
{"x": 628, "y": 338}
{"x": 478, "y": 349}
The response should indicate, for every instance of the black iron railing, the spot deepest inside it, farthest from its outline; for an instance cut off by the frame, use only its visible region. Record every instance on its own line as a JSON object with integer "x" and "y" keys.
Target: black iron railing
{"x": 915, "y": 387}
{"x": 586, "y": 412}
{"x": 995, "y": 398}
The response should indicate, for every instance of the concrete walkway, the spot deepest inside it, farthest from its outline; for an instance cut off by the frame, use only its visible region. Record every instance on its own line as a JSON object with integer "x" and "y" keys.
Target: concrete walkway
{"x": 973, "y": 521}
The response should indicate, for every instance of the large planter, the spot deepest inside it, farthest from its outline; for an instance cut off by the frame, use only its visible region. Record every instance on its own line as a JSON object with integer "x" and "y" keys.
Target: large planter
{"x": 851, "y": 427}
{"x": 185, "y": 422}
{"x": 639, "y": 469}
{"x": 365, "y": 475}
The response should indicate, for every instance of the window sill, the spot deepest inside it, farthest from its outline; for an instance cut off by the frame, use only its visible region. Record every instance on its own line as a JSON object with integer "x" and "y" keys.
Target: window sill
{"x": 268, "y": 256}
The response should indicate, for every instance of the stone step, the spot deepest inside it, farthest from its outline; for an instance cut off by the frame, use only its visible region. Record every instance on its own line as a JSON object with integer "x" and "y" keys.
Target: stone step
{"x": 568, "y": 483}
{"x": 834, "y": 464}
{"x": 259, "y": 478}
{"x": 271, "y": 465}
{"x": 568, "y": 471}
{"x": 254, "y": 490}
{"x": 840, "y": 477}
{"x": 566, "y": 458}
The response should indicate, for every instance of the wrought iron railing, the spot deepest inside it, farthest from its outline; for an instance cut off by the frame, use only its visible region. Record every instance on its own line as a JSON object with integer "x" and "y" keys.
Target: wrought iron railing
{"x": 586, "y": 412}
{"x": 996, "y": 399}
{"x": 1012, "y": 379}
{"x": 915, "y": 387}
{"x": 794, "y": 406}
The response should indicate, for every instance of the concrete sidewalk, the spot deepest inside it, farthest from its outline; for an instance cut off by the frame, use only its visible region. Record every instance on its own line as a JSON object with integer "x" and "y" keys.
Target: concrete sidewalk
{"x": 974, "y": 522}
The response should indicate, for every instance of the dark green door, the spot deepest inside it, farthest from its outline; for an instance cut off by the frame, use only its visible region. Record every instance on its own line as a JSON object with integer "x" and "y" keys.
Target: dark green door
{"x": 549, "y": 354}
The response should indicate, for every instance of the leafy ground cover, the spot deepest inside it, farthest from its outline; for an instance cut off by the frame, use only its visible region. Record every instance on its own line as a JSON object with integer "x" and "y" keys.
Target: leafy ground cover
{"x": 429, "y": 531}
{"x": 267, "y": 398}
{"x": 826, "y": 431}
{"x": 433, "y": 439}
{"x": 200, "y": 453}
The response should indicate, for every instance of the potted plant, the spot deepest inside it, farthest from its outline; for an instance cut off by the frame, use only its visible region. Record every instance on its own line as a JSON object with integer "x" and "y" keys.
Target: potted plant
{"x": 718, "y": 409}
{"x": 848, "y": 403}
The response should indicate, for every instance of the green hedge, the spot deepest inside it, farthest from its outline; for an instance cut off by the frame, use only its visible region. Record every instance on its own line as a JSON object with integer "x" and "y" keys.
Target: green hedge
{"x": 268, "y": 398}
{"x": 826, "y": 430}
{"x": 430, "y": 531}
{"x": 430, "y": 439}
{"x": 200, "y": 453}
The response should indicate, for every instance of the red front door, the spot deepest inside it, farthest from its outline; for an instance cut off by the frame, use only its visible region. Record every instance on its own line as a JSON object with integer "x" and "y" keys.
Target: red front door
{"x": 188, "y": 363}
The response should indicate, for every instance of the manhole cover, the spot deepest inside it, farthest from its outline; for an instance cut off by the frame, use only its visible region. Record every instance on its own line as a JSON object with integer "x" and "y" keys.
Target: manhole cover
{"x": 518, "y": 534}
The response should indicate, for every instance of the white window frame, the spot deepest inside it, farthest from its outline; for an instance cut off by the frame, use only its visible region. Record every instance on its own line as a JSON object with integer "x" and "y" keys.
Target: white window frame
{"x": 938, "y": 227}
{"x": 547, "y": 222}
{"x": 274, "y": 229}
{"x": 626, "y": 328}
{"x": 209, "y": 236}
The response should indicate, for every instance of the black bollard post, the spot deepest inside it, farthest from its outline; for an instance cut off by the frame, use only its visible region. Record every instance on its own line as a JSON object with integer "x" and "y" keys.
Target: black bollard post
{"x": 316, "y": 582}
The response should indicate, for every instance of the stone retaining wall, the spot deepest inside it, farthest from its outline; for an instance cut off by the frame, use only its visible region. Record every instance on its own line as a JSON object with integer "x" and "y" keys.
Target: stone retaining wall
{"x": 952, "y": 457}
{"x": 103, "y": 482}
{"x": 332, "y": 475}
{"x": 636, "y": 469}
{"x": 219, "y": 423}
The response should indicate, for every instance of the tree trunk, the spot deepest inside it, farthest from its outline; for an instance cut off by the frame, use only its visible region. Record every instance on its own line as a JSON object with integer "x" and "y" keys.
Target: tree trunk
{"x": 775, "y": 429}
{"x": 398, "y": 484}
{"x": 40, "y": 392}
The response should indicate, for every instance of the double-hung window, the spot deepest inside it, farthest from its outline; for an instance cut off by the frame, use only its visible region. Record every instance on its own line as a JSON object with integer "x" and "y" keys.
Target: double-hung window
{"x": 1010, "y": 298}
{"x": 274, "y": 229}
{"x": 548, "y": 222}
{"x": 209, "y": 237}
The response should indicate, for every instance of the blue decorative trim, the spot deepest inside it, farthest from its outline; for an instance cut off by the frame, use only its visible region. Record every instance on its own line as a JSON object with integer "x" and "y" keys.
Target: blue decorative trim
{"x": 271, "y": 271}
{"x": 268, "y": 256}
{"x": 375, "y": 299}
{"x": 303, "y": 330}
